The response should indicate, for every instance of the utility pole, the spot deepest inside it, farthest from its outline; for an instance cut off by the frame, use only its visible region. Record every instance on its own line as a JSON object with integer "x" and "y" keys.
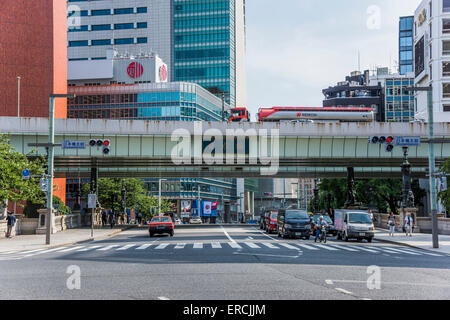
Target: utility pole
{"x": 159, "y": 198}
{"x": 223, "y": 106}
{"x": 18, "y": 97}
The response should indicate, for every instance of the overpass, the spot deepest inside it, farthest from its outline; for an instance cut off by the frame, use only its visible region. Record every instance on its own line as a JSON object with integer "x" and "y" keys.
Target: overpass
{"x": 146, "y": 148}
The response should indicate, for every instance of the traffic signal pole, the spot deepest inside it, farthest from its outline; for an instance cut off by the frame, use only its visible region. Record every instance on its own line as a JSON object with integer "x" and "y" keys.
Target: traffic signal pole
{"x": 51, "y": 141}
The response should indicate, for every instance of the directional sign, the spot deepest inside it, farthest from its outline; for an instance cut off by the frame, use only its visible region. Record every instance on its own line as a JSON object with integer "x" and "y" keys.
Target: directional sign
{"x": 92, "y": 201}
{"x": 26, "y": 174}
{"x": 407, "y": 141}
{"x": 69, "y": 144}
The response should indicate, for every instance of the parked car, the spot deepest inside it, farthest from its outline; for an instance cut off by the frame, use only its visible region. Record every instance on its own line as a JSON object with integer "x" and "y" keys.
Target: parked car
{"x": 195, "y": 221}
{"x": 354, "y": 224}
{"x": 160, "y": 225}
{"x": 263, "y": 219}
{"x": 330, "y": 229}
{"x": 293, "y": 223}
{"x": 271, "y": 224}
{"x": 178, "y": 221}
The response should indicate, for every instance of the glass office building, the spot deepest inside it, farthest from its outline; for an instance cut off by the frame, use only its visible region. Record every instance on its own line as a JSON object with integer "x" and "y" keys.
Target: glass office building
{"x": 399, "y": 103}
{"x": 406, "y": 45}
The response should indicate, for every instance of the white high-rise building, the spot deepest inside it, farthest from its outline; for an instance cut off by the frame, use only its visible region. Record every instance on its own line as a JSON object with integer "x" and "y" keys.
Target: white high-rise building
{"x": 432, "y": 58}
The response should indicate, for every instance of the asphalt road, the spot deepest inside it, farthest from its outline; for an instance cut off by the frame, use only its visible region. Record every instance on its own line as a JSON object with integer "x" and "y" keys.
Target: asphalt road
{"x": 231, "y": 263}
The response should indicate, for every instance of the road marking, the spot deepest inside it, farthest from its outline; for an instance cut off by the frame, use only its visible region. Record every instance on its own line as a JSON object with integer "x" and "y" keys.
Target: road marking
{"x": 228, "y": 236}
{"x": 306, "y": 246}
{"x": 163, "y": 298}
{"x": 234, "y": 245}
{"x": 162, "y": 246}
{"x": 108, "y": 247}
{"x": 89, "y": 248}
{"x": 424, "y": 252}
{"x": 343, "y": 247}
{"x": 344, "y": 291}
{"x": 252, "y": 245}
{"x": 438, "y": 285}
{"x": 265, "y": 255}
{"x": 128, "y": 246}
{"x": 268, "y": 236}
{"x": 288, "y": 246}
{"x": 180, "y": 246}
{"x": 216, "y": 245}
{"x": 368, "y": 250}
{"x": 326, "y": 247}
{"x": 402, "y": 251}
{"x": 330, "y": 282}
{"x": 72, "y": 249}
{"x": 31, "y": 251}
{"x": 45, "y": 251}
{"x": 198, "y": 245}
{"x": 269, "y": 245}
{"x": 144, "y": 246}
{"x": 385, "y": 250}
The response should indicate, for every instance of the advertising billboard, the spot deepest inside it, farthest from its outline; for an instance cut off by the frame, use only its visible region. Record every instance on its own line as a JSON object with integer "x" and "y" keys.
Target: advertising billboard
{"x": 419, "y": 56}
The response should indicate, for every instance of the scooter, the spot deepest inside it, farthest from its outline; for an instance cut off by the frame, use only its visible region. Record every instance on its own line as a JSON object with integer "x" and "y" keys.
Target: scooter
{"x": 323, "y": 234}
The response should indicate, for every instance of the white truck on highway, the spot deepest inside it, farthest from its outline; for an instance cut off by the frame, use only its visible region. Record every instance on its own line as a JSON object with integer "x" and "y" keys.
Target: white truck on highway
{"x": 353, "y": 224}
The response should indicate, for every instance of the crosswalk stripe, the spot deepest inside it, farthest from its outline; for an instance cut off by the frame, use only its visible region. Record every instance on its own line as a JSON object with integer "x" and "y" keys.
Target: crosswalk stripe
{"x": 72, "y": 249}
{"x": 368, "y": 250}
{"x": 216, "y": 245}
{"x": 31, "y": 251}
{"x": 326, "y": 247}
{"x": 198, "y": 245}
{"x": 270, "y": 246}
{"x": 89, "y": 248}
{"x": 343, "y": 247}
{"x": 252, "y": 245}
{"x": 385, "y": 250}
{"x": 45, "y": 251}
{"x": 128, "y": 246}
{"x": 108, "y": 247}
{"x": 144, "y": 246}
{"x": 162, "y": 246}
{"x": 425, "y": 253}
{"x": 180, "y": 245}
{"x": 234, "y": 245}
{"x": 402, "y": 251}
{"x": 306, "y": 246}
{"x": 288, "y": 246}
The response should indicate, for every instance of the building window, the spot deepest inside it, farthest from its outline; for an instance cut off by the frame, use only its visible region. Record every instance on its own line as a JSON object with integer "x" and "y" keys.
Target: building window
{"x": 142, "y": 40}
{"x": 100, "y": 27}
{"x": 446, "y": 6}
{"x": 142, "y": 25}
{"x": 446, "y": 90}
{"x": 446, "y": 69}
{"x": 142, "y": 10}
{"x": 446, "y": 108}
{"x": 82, "y": 43}
{"x": 103, "y": 42}
{"x": 105, "y": 12}
{"x": 446, "y": 26}
{"x": 124, "y": 11}
{"x": 446, "y": 48}
{"x": 121, "y": 26}
{"x": 124, "y": 41}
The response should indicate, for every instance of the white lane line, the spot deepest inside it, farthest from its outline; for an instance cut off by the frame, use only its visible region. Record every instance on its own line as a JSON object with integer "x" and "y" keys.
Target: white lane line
{"x": 343, "y": 247}
{"x": 403, "y": 251}
{"x": 108, "y": 247}
{"x": 265, "y": 255}
{"x": 384, "y": 250}
{"x": 228, "y": 236}
{"x": 252, "y": 245}
{"x": 269, "y": 245}
{"x": 198, "y": 245}
{"x": 344, "y": 291}
{"x": 306, "y": 246}
{"x": 326, "y": 247}
{"x": 128, "y": 246}
{"x": 72, "y": 249}
{"x": 180, "y": 246}
{"x": 268, "y": 236}
{"x": 144, "y": 246}
{"x": 288, "y": 246}
{"x": 163, "y": 298}
{"x": 234, "y": 245}
{"x": 330, "y": 282}
{"x": 89, "y": 248}
{"x": 162, "y": 246}
{"x": 424, "y": 252}
{"x": 216, "y": 245}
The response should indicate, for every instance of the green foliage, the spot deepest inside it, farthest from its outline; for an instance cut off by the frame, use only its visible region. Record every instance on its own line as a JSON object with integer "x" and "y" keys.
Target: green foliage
{"x": 62, "y": 208}
{"x": 12, "y": 187}
{"x": 444, "y": 196}
{"x": 148, "y": 206}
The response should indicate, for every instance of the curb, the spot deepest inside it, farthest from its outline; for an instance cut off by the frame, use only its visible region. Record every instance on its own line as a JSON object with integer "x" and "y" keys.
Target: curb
{"x": 409, "y": 245}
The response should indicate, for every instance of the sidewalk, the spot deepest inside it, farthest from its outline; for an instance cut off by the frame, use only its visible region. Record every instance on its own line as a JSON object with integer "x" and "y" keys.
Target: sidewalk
{"x": 418, "y": 240}
{"x": 67, "y": 237}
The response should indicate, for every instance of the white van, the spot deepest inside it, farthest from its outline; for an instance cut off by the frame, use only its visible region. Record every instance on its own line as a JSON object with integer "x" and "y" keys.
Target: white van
{"x": 353, "y": 224}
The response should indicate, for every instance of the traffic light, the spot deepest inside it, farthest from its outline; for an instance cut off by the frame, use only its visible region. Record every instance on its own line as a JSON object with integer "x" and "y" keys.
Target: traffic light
{"x": 105, "y": 144}
{"x": 268, "y": 194}
{"x": 387, "y": 140}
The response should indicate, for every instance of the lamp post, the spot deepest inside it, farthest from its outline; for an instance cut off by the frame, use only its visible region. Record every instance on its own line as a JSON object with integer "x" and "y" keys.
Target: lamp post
{"x": 159, "y": 198}
{"x": 51, "y": 157}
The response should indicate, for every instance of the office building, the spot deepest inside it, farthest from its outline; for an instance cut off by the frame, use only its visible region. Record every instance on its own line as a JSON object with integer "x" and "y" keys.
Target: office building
{"x": 432, "y": 58}
{"x": 406, "y": 30}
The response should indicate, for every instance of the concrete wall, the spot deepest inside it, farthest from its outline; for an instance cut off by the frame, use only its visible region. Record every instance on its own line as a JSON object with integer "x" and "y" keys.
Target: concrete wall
{"x": 423, "y": 224}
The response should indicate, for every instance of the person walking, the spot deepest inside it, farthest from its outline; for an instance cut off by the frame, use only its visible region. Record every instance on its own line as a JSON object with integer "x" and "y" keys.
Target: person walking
{"x": 139, "y": 218}
{"x": 112, "y": 218}
{"x": 104, "y": 218}
{"x": 11, "y": 222}
{"x": 391, "y": 224}
{"x": 408, "y": 224}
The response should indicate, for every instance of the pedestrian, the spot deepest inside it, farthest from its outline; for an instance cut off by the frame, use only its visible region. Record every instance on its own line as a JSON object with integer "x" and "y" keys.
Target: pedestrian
{"x": 112, "y": 218}
{"x": 104, "y": 218}
{"x": 139, "y": 218}
{"x": 11, "y": 219}
{"x": 391, "y": 224}
{"x": 408, "y": 224}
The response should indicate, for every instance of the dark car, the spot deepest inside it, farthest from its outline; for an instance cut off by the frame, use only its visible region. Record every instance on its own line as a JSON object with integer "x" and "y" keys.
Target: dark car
{"x": 160, "y": 225}
{"x": 293, "y": 223}
{"x": 263, "y": 220}
{"x": 271, "y": 222}
{"x": 330, "y": 229}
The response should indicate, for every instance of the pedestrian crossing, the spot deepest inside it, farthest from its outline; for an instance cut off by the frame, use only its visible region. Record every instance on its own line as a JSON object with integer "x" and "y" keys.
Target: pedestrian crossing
{"x": 246, "y": 245}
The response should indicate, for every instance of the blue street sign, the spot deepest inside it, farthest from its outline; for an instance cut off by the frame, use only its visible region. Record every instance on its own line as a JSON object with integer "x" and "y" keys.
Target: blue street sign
{"x": 26, "y": 173}
{"x": 69, "y": 144}
{"x": 407, "y": 141}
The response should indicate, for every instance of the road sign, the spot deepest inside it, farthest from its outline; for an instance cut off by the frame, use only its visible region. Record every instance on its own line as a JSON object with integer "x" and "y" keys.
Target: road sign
{"x": 69, "y": 144}
{"x": 407, "y": 141}
{"x": 92, "y": 201}
{"x": 44, "y": 184}
{"x": 26, "y": 174}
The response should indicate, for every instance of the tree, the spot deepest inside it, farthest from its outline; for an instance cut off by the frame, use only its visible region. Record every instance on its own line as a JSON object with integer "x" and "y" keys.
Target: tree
{"x": 148, "y": 206}
{"x": 12, "y": 186}
{"x": 444, "y": 196}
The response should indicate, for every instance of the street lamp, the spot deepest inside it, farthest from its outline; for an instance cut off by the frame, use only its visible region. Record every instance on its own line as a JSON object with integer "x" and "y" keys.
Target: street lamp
{"x": 51, "y": 157}
{"x": 159, "y": 198}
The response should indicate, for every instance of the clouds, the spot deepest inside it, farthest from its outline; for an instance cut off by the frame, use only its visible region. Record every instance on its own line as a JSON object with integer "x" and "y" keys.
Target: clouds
{"x": 296, "y": 48}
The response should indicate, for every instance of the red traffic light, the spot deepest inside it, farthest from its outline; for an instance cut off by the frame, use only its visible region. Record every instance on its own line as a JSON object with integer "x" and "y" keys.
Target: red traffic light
{"x": 390, "y": 139}
{"x": 106, "y": 143}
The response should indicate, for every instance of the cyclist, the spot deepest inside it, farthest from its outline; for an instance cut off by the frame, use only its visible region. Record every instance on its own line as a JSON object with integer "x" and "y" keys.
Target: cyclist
{"x": 319, "y": 226}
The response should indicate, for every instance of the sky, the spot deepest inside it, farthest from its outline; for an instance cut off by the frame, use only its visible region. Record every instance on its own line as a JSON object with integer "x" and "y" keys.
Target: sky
{"x": 297, "y": 48}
